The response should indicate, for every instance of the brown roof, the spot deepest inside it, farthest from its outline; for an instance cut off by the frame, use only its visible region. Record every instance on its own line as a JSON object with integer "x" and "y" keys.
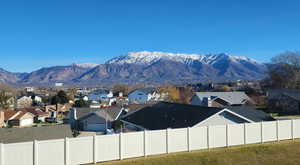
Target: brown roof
{"x": 21, "y": 114}
{"x": 8, "y": 114}
{"x": 34, "y": 111}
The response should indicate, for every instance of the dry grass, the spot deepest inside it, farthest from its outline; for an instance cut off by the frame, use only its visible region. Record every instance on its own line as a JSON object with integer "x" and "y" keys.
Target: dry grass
{"x": 282, "y": 153}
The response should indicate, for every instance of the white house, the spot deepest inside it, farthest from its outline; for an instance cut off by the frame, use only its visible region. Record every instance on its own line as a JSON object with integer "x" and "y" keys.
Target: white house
{"x": 100, "y": 94}
{"x": 37, "y": 99}
{"x": 29, "y": 89}
{"x": 143, "y": 96}
{"x": 85, "y": 98}
{"x": 59, "y": 84}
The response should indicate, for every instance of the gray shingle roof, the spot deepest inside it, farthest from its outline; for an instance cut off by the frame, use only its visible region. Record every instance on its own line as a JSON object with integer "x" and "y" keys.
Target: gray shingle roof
{"x": 145, "y": 90}
{"x": 171, "y": 115}
{"x": 15, "y": 135}
{"x": 230, "y": 97}
{"x": 251, "y": 113}
{"x": 110, "y": 113}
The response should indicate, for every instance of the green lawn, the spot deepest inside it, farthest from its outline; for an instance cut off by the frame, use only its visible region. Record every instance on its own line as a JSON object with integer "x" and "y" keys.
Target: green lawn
{"x": 282, "y": 153}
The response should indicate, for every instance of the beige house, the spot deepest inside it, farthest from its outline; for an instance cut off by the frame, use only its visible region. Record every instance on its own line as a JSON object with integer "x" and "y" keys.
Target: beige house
{"x": 24, "y": 102}
{"x": 18, "y": 118}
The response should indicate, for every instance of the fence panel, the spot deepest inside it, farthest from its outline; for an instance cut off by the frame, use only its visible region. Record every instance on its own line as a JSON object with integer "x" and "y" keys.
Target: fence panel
{"x": 81, "y": 150}
{"x": 236, "y": 134}
{"x": 217, "y": 136}
{"x": 284, "y": 129}
{"x": 253, "y": 133}
{"x": 296, "y": 126}
{"x": 108, "y": 147}
{"x": 51, "y": 152}
{"x": 133, "y": 145}
{"x": 18, "y": 153}
{"x": 156, "y": 142}
{"x": 269, "y": 131}
{"x": 198, "y": 138}
{"x": 178, "y": 140}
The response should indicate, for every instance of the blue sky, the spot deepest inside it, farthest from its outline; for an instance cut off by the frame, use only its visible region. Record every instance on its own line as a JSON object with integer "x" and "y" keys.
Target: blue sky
{"x": 36, "y": 33}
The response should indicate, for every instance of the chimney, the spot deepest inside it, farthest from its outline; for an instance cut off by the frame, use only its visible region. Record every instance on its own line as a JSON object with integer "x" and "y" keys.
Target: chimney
{"x": 1, "y": 119}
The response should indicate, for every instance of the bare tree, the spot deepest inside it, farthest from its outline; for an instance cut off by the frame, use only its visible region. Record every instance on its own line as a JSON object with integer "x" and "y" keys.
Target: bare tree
{"x": 285, "y": 70}
{"x": 6, "y": 94}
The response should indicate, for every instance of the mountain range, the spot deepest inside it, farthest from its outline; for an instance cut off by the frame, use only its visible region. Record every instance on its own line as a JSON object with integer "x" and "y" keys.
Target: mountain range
{"x": 146, "y": 68}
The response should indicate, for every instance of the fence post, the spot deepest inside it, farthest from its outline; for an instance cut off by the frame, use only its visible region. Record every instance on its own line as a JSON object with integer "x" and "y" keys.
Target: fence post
{"x": 189, "y": 139}
{"x": 167, "y": 140}
{"x": 35, "y": 152}
{"x": 145, "y": 143}
{"x": 95, "y": 148}
{"x": 261, "y": 132}
{"x": 245, "y": 133}
{"x": 1, "y": 154}
{"x": 120, "y": 146}
{"x": 227, "y": 135}
{"x": 208, "y": 146}
{"x": 67, "y": 151}
{"x": 277, "y": 130}
{"x": 292, "y": 127}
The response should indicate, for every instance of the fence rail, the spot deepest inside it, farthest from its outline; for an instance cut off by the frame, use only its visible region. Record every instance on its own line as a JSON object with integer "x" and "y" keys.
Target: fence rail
{"x": 84, "y": 150}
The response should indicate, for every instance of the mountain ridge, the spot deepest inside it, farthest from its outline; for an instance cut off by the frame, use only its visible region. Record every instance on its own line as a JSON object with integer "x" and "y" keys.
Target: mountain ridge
{"x": 146, "y": 67}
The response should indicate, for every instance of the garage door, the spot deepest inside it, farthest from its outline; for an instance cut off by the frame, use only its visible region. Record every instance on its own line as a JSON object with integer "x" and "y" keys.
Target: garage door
{"x": 95, "y": 127}
{"x": 26, "y": 122}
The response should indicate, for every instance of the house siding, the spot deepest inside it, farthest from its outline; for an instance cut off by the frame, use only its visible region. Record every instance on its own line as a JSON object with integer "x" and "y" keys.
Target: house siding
{"x": 222, "y": 119}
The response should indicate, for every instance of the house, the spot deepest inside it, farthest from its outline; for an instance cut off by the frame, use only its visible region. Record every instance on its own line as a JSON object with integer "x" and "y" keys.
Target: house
{"x": 143, "y": 96}
{"x": 2, "y": 123}
{"x": 100, "y": 95}
{"x": 284, "y": 101}
{"x": 60, "y": 108}
{"x": 16, "y": 135}
{"x": 220, "y": 99}
{"x": 85, "y": 98}
{"x": 91, "y": 119}
{"x": 39, "y": 115}
{"x": 29, "y": 89}
{"x": 24, "y": 102}
{"x": 165, "y": 115}
{"x": 59, "y": 84}
{"x": 18, "y": 118}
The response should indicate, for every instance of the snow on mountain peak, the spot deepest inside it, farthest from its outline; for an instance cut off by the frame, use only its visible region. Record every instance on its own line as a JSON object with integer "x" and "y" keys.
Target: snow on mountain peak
{"x": 87, "y": 65}
{"x": 146, "y": 57}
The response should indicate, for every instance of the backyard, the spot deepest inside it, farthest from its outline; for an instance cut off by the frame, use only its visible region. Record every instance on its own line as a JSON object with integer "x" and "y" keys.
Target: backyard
{"x": 282, "y": 153}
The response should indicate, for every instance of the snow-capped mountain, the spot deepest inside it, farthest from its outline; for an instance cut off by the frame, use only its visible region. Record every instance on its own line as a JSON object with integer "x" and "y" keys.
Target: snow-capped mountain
{"x": 146, "y": 58}
{"x": 87, "y": 65}
{"x": 147, "y": 68}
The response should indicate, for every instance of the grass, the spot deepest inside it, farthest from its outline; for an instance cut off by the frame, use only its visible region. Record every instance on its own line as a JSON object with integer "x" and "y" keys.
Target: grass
{"x": 282, "y": 153}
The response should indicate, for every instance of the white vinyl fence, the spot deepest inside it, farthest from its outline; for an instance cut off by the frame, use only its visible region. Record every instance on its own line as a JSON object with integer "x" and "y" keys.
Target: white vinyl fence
{"x": 94, "y": 149}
